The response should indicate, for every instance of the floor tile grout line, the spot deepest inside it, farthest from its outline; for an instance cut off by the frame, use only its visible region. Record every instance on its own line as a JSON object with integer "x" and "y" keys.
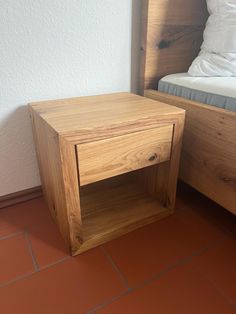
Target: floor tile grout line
{"x": 31, "y": 251}
{"x": 180, "y": 262}
{"x": 12, "y": 235}
{"x": 222, "y": 293}
{"x": 19, "y": 278}
{"x": 55, "y": 263}
{"x": 101, "y": 306}
{"x": 109, "y": 301}
{"x": 183, "y": 261}
{"x": 28, "y": 275}
{"x": 115, "y": 267}
{"x": 216, "y": 287}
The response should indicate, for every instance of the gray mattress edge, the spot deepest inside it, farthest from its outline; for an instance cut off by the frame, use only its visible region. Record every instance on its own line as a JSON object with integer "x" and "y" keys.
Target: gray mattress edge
{"x": 219, "y": 101}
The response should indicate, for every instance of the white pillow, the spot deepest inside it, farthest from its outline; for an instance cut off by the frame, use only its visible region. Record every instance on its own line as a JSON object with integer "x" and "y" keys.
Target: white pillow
{"x": 218, "y": 51}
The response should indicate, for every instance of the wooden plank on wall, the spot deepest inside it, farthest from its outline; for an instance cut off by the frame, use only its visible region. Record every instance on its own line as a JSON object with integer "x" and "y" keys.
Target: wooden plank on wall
{"x": 19, "y": 197}
{"x": 171, "y": 37}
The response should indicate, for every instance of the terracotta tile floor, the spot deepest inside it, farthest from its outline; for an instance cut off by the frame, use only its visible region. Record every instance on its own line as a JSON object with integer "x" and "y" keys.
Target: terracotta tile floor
{"x": 185, "y": 263}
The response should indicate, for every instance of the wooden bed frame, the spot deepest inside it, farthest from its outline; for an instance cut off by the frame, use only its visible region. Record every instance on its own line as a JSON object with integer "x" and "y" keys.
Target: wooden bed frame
{"x": 171, "y": 38}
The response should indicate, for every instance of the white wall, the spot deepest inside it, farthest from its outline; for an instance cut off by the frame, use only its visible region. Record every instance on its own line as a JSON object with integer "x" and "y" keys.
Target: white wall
{"x": 55, "y": 49}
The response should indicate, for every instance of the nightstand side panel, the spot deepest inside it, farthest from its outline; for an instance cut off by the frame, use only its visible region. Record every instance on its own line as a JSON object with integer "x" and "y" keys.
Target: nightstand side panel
{"x": 57, "y": 184}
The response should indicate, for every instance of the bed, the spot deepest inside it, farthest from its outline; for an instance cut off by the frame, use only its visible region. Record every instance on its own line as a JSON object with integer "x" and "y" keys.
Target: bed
{"x": 171, "y": 39}
{"x": 215, "y": 91}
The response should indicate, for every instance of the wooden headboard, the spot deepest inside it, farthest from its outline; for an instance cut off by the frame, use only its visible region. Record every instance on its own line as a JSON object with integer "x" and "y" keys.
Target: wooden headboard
{"x": 171, "y": 37}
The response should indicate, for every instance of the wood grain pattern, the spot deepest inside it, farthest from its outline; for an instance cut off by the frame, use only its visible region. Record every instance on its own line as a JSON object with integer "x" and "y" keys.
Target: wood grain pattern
{"x": 171, "y": 37}
{"x": 209, "y": 149}
{"x": 161, "y": 181}
{"x": 93, "y": 118}
{"x": 177, "y": 12}
{"x": 60, "y": 188}
{"x": 84, "y": 139}
{"x": 70, "y": 179}
{"x": 131, "y": 208}
{"x": 98, "y": 161}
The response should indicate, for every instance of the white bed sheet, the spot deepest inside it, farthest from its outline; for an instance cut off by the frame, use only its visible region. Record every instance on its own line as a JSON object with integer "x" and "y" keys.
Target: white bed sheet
{"x": 224, "y": 86}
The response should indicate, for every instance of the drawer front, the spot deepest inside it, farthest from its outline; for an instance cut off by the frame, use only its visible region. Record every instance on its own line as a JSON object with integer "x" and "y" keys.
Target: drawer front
{"x": 113, "y": 156}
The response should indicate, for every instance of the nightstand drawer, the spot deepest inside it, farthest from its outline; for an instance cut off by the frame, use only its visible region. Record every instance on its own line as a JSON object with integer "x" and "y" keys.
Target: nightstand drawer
{"x": 137, "y": 133}
{"x": 113, "y": 156}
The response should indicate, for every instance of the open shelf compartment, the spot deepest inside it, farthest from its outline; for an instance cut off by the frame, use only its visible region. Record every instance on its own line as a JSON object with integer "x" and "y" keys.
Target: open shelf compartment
{"x": 115, "y": 206}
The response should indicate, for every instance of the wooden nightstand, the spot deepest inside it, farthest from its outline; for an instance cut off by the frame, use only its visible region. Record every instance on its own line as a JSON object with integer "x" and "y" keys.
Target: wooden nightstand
{"x": 108, "y": 164}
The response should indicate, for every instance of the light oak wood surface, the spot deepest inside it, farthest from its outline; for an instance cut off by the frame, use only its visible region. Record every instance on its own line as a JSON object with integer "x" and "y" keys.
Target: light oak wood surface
{"x": 209, "y": 149}
{"x": 97, "y": 160}
{"x": 131, "y": 206}
{"x": 86, "y": 119}
{"x": 60, "y": 185}
{"x": 171, "y": 37}
{"x": 82, "y": 140}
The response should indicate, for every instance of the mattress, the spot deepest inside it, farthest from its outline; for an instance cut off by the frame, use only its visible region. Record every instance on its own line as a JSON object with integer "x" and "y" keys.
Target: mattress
{"x": 214, "y": 91}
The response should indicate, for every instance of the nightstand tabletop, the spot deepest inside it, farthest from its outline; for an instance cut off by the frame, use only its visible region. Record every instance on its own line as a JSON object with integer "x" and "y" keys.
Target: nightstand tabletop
{"x": 93, "y": 114}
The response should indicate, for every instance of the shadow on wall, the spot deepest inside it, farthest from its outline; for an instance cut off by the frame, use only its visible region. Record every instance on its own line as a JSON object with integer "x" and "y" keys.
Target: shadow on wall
{"x": 18, "y": 165}
{"x": 15, "y": 137}
{"x": 135, "y": 44}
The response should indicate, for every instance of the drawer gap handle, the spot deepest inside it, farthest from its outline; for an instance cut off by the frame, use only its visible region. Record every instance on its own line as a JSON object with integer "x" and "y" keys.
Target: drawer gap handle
{"x": 152, "y": 157}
